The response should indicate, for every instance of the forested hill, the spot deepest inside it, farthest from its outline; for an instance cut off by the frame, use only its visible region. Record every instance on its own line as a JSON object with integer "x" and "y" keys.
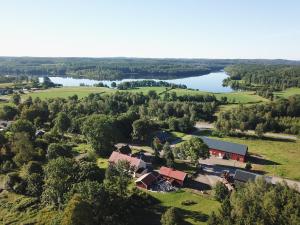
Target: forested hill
{"x": 118, "y": 68}
{"x": 276, "y": 77}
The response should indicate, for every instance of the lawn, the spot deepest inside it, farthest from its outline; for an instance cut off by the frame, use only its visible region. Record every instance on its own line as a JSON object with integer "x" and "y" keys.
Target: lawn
{"x": 193, "y": 214}
{"x": 288, "y": 92}
{"x": 280, "y": 157}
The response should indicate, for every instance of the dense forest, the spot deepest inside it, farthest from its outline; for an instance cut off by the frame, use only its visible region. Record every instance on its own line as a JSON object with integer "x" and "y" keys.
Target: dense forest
{"x": 269, "y": 77}
{"x": 119, "y": 68}
{"x": 282, "y": 115}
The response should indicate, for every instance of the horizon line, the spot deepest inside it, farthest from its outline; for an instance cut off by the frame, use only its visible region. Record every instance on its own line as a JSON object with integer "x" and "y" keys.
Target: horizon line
{"x": 136, "y": 57}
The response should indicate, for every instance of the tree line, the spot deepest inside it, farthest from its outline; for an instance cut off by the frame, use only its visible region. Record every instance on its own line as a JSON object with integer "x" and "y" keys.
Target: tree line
{"x": 281, "y": 115}
{"x": 254, "y": 77}
{"x": 148, "y": 83}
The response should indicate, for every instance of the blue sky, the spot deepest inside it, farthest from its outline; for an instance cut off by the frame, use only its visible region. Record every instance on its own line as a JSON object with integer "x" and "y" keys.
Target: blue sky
{"x": 151, "y": 28}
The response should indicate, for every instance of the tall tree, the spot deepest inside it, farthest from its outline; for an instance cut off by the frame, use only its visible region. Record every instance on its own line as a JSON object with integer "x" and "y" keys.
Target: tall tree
{"x": 101, "y": 133}
{"x": 168, "y": 155}
{"x": 171, "y": 217}
{"x": 78, "y": 212}
{"x": 62, "y": 123}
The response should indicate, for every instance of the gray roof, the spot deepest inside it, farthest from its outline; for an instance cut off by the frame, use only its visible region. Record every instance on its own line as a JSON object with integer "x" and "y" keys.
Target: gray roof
{"x": 244, "y": 176}
{"x": 225, "y": 146}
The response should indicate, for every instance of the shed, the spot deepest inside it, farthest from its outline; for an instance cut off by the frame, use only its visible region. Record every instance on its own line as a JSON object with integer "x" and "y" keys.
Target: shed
{"x": 245, "y": 176}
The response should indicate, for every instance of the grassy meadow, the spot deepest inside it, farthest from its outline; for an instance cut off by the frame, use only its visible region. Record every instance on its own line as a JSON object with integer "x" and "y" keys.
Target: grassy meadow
{"x": 288, "y": 92}
{"x": 196, "y": 213}
{"x": 64, "y": 92}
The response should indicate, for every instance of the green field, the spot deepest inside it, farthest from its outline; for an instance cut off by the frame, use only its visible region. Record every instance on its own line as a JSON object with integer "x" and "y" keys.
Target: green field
{"x": 288, "y": 92}
{"x": 194, "y": 214}
{"x": 64, "y": 92}
{"x": 281, "y": 157}
{"x": 68, "y": 91}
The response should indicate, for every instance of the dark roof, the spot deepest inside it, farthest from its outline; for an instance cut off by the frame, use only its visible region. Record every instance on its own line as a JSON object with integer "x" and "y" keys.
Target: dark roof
{"x": 147, "y": 179}
{"x": 244, "y": 176}
{"x": 225, "y": 146}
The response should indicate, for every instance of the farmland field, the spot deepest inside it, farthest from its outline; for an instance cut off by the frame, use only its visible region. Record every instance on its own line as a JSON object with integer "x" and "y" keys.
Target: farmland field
{"x": 237, "y": 97}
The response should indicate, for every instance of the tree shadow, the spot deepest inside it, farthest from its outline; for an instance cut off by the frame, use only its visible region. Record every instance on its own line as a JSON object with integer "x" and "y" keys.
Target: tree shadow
{"x": 261, "y": 161}
{"x": 194, "y": 215}
{"x": 199, "y": 186}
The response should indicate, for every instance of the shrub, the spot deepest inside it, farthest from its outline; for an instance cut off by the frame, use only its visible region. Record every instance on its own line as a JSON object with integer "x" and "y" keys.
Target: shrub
{"x": 188, "y": 202}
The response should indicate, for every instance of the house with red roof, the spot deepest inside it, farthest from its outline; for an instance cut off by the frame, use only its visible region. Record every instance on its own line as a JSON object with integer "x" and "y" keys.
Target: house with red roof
{"x": 174, "y": 176}
{"x": 134, "y": 162}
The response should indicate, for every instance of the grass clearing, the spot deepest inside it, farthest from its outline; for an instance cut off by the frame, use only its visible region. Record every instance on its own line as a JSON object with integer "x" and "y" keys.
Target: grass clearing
{"x": 65, "y": 92}
{"x": 288, "y": 92}
{"x": 193, "y": 214}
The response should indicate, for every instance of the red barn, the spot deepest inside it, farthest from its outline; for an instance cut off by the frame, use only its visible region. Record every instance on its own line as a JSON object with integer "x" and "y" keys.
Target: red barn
{"x": 174, "y": 176}
{"x": 225, "y": 149}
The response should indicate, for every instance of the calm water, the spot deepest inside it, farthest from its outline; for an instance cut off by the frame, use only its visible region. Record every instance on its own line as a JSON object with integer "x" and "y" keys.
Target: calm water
{"x": 211, "y": 82}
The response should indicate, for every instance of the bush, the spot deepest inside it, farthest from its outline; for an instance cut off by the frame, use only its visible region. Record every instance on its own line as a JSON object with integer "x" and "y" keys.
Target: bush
{"x": 171, "y": 217}
{"x": 248, "y": 166}
{"x": 220, "y": 192}
{"x": 188, "y": 202}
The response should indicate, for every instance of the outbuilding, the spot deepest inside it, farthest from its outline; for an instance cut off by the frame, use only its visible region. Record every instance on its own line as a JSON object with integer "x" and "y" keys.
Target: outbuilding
{"x": 174, "y": 176}
{"x": 146, "y": 180}
{"x": 227, "y": 150}
{"x": 242, "y": 176}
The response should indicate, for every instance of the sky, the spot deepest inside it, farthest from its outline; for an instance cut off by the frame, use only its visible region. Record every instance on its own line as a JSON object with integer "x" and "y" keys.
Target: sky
{"x": 151, "y": 28}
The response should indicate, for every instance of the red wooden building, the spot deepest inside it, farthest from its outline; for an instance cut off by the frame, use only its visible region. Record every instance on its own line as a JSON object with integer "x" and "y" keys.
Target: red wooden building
{"x": 145, "y": 181}
{"x": 174, "y": 176}
{"x": 225, "y": 149}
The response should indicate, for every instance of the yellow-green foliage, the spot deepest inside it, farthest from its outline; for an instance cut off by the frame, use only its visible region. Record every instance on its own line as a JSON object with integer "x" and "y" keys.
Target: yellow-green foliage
{"x": 17, "y": 209}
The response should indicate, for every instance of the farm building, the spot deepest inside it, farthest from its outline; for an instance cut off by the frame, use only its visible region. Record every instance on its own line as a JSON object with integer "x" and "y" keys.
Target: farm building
{"x": 134, "y": 162}
{"x": 146, "y": 180}
{"x": 174, "y": 176}
{"x": 225, "y": 149}
{"x": 242, "y": 176}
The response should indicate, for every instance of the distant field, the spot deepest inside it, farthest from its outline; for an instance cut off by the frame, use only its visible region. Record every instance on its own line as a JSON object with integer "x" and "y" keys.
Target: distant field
{"x": 4, "y": 85}
{"x": 282, "y": 158}
{"x": 68, "y": 91}
{"x": 288, "y": 92}
{"x": 237, "y": 97}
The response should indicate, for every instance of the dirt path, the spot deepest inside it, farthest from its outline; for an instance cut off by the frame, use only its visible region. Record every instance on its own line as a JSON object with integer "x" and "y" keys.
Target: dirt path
{"x": 208, "y": 126}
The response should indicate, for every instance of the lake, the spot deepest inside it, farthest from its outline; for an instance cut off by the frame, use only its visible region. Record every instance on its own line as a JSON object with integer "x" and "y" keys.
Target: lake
{"x": 211, "y": 82}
